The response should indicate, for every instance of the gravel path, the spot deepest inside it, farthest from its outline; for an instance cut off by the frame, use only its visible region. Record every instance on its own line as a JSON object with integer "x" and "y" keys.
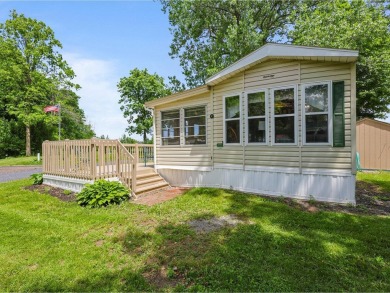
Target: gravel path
{"x": 18, "y": 172}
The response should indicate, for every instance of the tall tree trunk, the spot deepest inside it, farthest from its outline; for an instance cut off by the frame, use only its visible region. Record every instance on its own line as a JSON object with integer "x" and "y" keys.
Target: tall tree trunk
{"x": 145, "y": 138}
{"x": 28, "y": 141}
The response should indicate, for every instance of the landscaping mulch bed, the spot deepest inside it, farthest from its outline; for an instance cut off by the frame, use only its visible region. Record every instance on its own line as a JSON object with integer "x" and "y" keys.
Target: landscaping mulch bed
{"x": 61, "y": 194}
{"x": 370, "y": 199}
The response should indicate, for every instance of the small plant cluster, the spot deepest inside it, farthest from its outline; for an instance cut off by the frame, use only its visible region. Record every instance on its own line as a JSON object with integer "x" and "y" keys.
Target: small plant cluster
{"x": 102, "y": 193}
{"x": 37, "y": 178}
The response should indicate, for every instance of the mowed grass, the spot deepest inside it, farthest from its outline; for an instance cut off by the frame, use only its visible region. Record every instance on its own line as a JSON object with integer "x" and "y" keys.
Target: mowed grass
{"x": 20, "y": 161}
{"x": 380, "y": 179}
{"x": 49, "y": 245}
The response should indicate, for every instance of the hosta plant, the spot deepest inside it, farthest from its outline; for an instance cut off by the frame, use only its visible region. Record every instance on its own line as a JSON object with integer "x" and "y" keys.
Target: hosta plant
{"x": 37, "y": 178}
{"x": 102, "y": 193}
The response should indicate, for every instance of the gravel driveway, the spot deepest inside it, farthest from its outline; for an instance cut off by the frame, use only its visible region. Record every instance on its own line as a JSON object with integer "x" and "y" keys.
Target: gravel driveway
{"x": 18, "y": 172}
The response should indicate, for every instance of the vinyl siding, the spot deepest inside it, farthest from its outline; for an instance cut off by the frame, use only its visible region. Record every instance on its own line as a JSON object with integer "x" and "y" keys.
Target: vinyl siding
{"x": 267, "y": 75}
{"x": 183, "y": 155}
{"x": 273, "y": 74}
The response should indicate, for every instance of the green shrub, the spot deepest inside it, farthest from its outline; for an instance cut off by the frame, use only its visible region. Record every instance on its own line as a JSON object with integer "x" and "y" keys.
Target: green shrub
{"x": 37, "y": 178}
{"x": 102, "y": 193}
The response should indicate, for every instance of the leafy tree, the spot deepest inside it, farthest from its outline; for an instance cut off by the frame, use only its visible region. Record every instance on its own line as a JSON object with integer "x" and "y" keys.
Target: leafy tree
{"x": 32, "y": 63}
{"x": 209, "y": 35}
{"x": 135, "y": 90}
{"x": 73, "y": 122}
{"x": 175, "y": 85}
{"x": 10, "y": 142}
{"x": 358, "y": 25}
{"x": 127, "y": 139}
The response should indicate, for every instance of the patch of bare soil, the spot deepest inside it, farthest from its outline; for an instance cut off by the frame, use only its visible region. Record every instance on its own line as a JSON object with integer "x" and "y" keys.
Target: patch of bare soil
{"x": 163, "y": 278}
{"x": 213, "y": 224}
{"x": 370, "y": 200}
{"x": 61, "y": 194}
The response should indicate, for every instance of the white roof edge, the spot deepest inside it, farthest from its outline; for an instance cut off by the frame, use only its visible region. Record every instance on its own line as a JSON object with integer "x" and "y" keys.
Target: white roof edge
{"x": 281, "y": 50}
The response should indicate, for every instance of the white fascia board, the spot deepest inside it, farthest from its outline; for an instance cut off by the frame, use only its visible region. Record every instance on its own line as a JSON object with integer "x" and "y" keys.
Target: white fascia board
{"x": 279, "y": 50}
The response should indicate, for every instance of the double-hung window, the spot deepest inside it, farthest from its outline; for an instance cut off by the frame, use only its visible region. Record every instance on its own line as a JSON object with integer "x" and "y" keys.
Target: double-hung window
{"x": 316, "y": 109}
{"x": 195, "y": 125}
{"x": 256, "y": 108}
{"x": 232, "y": 119}
{"x": 284, "y": 115}
{"x": 170, "y": 127}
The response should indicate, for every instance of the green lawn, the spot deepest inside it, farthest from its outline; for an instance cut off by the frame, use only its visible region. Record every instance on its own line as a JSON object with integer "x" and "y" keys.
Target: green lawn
{"x": 49, "y": 245}
{"x": 20, "y": 161}
{"x": 381, "y": 179}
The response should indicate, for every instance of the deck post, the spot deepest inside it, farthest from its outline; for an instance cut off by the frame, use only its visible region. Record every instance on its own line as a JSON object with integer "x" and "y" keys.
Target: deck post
{"x": 44, "y": 157}
{"x": 134, "y": 170}
{"x": 93, "y": 160}
{"x": 136, "y": 153}
{"x": 66, "y": 156}
{"x": 118, "y": 161}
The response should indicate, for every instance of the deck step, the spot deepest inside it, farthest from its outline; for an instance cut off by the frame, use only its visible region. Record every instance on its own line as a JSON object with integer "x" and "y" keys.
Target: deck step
{"x": 148, "y": 180}
{"x": 146, "y": 175}
{"x": 150, "y": 187}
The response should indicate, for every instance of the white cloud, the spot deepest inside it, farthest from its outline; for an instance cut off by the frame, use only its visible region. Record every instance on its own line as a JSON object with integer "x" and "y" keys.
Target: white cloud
{"x": 99, "y": 96}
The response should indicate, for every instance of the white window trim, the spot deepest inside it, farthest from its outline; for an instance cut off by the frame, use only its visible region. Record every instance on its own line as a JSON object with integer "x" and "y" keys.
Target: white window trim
{"x": 266, "y": 116}
{"x": 330, "y": 116}
{"x": 181, "y": 123}
{"x": 295, "y": 87}
{"x": 224, "y": 119}
{"x": 205, "y": 115}
{"x": 161, "y": 137}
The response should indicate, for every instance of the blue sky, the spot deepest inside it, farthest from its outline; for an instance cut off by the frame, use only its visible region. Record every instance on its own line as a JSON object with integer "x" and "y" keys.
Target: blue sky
{"x": 103, "y": 41}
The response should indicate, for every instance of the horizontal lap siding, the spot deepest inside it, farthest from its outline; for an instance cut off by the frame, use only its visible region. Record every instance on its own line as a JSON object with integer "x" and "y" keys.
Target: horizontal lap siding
{"x": 199, "y": 155}
{"x": 226, "y": 154}
{"x": 327, "y": 157}
{"x": 284, "y": 73}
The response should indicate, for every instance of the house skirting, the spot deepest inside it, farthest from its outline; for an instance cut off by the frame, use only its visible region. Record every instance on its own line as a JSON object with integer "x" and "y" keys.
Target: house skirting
{"x": 325, "y": 186}
{"x": 67, "y": 183}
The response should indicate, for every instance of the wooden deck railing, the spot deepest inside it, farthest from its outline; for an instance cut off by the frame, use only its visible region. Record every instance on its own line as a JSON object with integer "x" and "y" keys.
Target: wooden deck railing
{"x": 90, "y": 159}
{"x": 145, "y": 152}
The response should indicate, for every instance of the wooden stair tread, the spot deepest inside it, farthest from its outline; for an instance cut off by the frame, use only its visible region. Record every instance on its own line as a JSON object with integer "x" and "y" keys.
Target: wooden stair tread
{"x": 148, "y": 180}
{"x": 151, "y": 187}
{"x": 147, "y": 175}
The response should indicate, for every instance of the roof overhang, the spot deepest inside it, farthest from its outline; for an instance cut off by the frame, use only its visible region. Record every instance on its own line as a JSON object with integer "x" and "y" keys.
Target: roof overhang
{"x": 283, "y": 51}
{"x": 178, "y": 96}
{"x": 267, "y": 52}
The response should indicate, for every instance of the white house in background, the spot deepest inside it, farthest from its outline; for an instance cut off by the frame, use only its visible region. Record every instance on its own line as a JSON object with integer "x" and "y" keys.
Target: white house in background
{"x": 280, "y": 121}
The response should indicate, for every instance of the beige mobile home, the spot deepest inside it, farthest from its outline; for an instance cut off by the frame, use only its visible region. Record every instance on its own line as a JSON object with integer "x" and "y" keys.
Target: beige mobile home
{"x": 280, "y": 121}
{"x": 373, "y": 144}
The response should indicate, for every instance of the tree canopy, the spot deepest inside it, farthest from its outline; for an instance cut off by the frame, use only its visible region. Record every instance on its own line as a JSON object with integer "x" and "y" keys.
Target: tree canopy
{"x": 358, "y": 25}
{"x": 209, "y": 35}
{"x": 33, "y": 75}
{"x": 135, "y": 90}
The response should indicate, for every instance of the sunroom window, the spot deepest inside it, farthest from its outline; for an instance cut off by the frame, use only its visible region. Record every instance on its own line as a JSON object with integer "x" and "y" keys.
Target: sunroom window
{"x": 232, "y": 120}
{"x": 256, "y": 118}
{"x": 195, "y": 125}
{"x": 284, "y": 116}
{"x": 316, "y": 109}
{"x": 170, "y": 127}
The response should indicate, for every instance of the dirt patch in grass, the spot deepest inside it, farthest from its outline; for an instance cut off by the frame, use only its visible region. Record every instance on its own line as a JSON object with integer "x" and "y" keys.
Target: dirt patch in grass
{"x": 61, "y": 194}
{"x": 163, "y": 277}
{"x": 214, "y": 224}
